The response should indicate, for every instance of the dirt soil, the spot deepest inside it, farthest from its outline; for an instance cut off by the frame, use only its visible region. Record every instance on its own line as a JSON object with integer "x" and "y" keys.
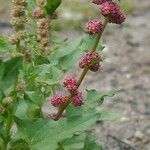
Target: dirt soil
{"x": 127, "y": 67}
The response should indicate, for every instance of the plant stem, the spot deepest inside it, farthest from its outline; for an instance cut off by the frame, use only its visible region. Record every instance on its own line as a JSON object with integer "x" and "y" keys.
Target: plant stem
{"x": 100, "y": 34}
{"x": 18, "y": 48}
{"x": 9, "y": 123}
{"x": 10, "y": 111}
{"x": 83, "y": 74}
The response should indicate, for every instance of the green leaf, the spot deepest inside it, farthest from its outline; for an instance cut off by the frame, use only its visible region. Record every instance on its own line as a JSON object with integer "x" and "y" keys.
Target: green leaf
{"x": 110, "y": 116}
{"x": 95, "y": 98}
{"x": 72, "y": 112}
{"x": 31, "y": 6}
{"x": 45, "y": 134}
{"x": 2, "y": 128}
{"x": 5, "y": 46}
{"x": 48, "y": 74}
{"x": 29, "y": 106}
{"x": 34, "y": 97}
{"x": 21, "y": 109}
{"x": 67, "y": 56}
{"x": 88, "y": 42}
{"x": 90, "y": 143}
{"x": 2, "y": 69}
{"x": 19, "y": 145}
{"x": 51, "y": 6}
{"x": 64, "y": 51}
{"x": 33, "y": 111}
{"x": 74, "y": 143}
{"x": 9, "y": 72}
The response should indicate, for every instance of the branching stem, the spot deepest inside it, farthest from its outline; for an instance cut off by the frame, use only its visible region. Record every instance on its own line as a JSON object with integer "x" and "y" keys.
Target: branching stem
{"x": 10, "y": 112}
{"x": 83, "y": 74}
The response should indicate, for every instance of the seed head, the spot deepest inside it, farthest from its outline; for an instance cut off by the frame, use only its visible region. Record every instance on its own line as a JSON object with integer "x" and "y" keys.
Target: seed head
{"x": 113, "y": 11}
{"x": 118, "y": 18}
{"x": 109, "y": 8}
{"x": 90, "y": 60}
{"x": 7, "y": 101}
{"x": 18, "y": 22}
{"x": 43, "y": 23}
{"x": 13, "y": 39}
{"x": 70, "y": 83}
{"x": 21, "y": 86}
{"x": 18, "y": 11}
{"x": 38, "y": 13}
{"x": 58, "y": 100}
{"x": 95, "y": 67}
{"x": 94, "y": 27}
{"x": 77, "y": 99}
{"x": 20, "y": 2}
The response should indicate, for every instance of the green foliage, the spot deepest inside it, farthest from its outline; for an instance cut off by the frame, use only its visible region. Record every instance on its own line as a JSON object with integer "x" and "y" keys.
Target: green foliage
{"x": 66, "y": 56}
{"x": 36, "y": 132}
{"x": 29, "y": 85}
{"x": 90, "y": 143}
{"x": 51, "y": 6}
{"x": 9, "y": 72}
{"x": 45, "y": 134}
{"x": 31, "y": 6}
{"x": 5, "y": 46}
{"x": 48, "y": 74}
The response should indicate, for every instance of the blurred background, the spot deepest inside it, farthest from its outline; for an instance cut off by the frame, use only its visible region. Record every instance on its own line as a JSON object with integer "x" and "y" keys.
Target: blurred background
{"x": 127, "y": 67}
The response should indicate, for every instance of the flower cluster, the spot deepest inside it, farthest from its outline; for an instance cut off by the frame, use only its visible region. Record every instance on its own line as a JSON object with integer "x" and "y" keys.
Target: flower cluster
{"x": 58, "y": 100}
{"x": 77, "y": 99}
{"x": 38, "y": 13}
{"x": 43, "y": 25}
{"x": 7, "y": 101}
{"x": 113, "y": 12}
{"x": 18, "y": 20}
{"x": 91, "y": 60}
{"x": 94, "y": 26}
{"x": 71, "y": 84}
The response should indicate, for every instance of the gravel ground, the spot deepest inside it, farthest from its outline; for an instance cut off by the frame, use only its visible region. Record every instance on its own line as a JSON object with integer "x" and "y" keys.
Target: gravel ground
{"x": 127, "y": 67}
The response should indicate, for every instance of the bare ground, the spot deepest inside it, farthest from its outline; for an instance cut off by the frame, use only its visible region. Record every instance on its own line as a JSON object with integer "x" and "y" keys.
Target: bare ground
{"x": 127, "y": 67}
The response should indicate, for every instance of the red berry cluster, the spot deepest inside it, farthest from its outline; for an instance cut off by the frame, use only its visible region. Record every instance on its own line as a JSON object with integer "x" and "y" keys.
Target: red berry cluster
{"x": 91, "y": 60}
{"x": 77, "y": 99}
{"x": 94, "y": 27}
{"x": 113, "y": 11}
{"x": 58, "y": 100}
{"x": 70, "y": 83}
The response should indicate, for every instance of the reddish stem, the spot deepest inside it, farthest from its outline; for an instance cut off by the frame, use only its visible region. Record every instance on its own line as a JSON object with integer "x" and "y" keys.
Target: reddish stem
{"x": 82, "y": 76}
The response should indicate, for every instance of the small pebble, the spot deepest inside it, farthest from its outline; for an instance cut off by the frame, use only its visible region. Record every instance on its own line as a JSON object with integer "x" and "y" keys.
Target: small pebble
{"x": 138, "y": 135}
